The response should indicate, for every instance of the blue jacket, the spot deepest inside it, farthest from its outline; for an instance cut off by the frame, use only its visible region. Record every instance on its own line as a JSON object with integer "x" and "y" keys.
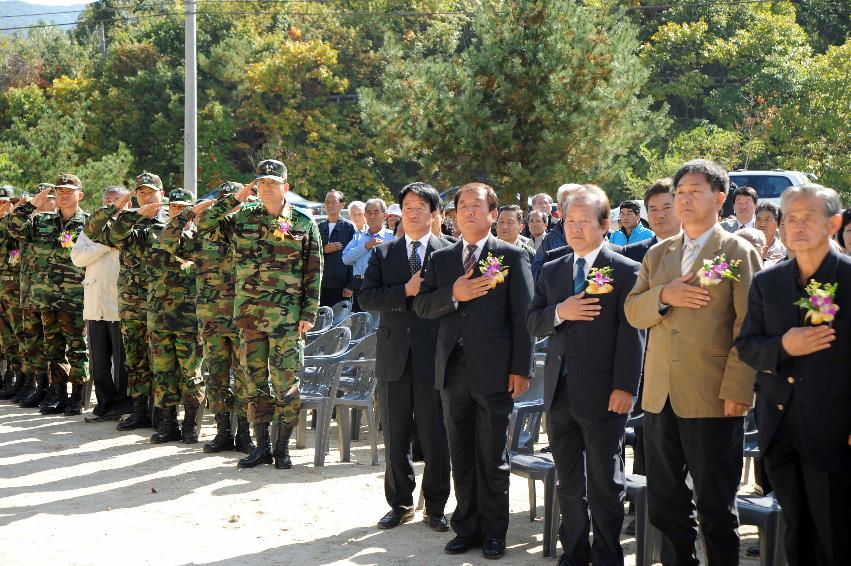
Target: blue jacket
{"x": 639, "y": 234}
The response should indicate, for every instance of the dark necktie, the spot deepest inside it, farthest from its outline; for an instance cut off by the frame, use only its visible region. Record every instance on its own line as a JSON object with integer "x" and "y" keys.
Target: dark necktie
{"x": 470, "y": 260}
{"x": 414, "y": 261}
{"x": 579, "y": 281}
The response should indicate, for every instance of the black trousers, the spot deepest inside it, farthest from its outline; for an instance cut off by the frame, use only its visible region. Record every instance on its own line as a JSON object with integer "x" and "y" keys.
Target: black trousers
{"x": 711, "y": 450}
{"x": 589, "y": 461}
{"x": 816, "y": 505}
{"x": 356, "y": 283}
{"x": 330, "y": 296}
{"x": 106, "y": 361}
{"x": 477, "y": 424}
{"x": 401, "y": 403}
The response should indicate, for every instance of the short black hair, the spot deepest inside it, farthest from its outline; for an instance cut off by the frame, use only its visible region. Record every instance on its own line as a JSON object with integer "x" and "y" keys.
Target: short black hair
{"x": 660, "y": 187}
{"x": 846, "y": 220}
{"x": 746, "y": 192}
{"x": 715, "y": 174}
{"x": 423, "y": 191}
{"x": 490, "y": 194}
{"x": 631, "y": 205}
{"x": 769, "y": 207}
{"x": 513, "y": 208}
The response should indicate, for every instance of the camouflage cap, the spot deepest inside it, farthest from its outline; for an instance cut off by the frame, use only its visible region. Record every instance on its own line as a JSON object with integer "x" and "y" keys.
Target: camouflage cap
{"x": 7, "y": 191}
{"x": 228, "y": 188}
{"x": 272, "y": 169}
{"x": 149, "y": 180}
{"x": 181, "y": 197}
{"x": 68, "y": 181}
{"x": 41, "y": 186}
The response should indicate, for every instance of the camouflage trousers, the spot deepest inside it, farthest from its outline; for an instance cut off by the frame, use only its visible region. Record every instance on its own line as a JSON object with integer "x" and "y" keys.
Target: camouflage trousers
{"x": 177, "y": 368}
{"x": 31, "y": 345}
{"x": 10, "y": 328}
{"x": 272, "y": 364}
{"x": 134, "y": 333}
{"x": 65, "y": 343}
{"x": 221, "y": 355}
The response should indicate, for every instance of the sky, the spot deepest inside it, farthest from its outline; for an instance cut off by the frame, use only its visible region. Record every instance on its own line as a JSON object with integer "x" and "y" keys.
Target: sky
{"x": 57, "y": 2}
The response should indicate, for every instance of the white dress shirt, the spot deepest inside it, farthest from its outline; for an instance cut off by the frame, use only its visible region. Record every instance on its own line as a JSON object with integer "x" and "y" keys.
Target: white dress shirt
{"x": 420, "y": 250}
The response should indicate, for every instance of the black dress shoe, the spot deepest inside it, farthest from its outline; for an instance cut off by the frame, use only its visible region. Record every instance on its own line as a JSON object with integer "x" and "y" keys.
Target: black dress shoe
{"x": 563, "y": 561}
{"x": 395, "y": 517}
{"x": 493, "y": 548}
{"x": 437, "y": 523}
{"x": 461, "y": 544}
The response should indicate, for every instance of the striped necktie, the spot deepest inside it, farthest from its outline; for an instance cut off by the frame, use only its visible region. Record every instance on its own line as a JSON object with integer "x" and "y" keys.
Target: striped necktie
{"x": 579, "y": 281}
{"x": 470, "y": 260}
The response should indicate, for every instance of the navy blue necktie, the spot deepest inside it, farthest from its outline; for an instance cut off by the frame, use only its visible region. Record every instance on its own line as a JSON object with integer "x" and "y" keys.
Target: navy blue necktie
{"x": 579, "y": 281}
{"x": 414, "y": 261}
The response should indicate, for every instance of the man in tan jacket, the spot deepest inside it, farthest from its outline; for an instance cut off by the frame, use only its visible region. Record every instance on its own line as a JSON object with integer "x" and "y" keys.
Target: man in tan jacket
{"x": 696, "y": 388}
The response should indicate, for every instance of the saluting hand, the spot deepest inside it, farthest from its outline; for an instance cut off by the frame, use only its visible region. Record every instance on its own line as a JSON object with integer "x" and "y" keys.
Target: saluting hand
{"x": 678, "y": 293}
{"x": 150, "y": 210}
{"x": 245, "y": 192}
{"x": 122, "y": 202}
{"x": 5, "y": 207}
{"x": 41, "y": 198}
{"x": 200, "y": 207}
{"x": 466, "y": 289}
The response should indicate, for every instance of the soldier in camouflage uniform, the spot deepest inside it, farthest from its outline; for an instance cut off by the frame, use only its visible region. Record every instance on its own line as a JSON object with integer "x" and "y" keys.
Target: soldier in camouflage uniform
{"x": 172, "y": 324}
{"x": 215, "y": 277}
{"x": 133, "y": 301}
{"x": 57, "y": 289}
{"x": 278, "y": 270}
{"x": 33, "y": 361}
{"x": 10, "y": 298}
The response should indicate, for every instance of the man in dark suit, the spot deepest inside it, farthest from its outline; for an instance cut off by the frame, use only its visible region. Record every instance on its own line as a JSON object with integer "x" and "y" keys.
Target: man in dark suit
{"x": 337, "y": 277}
{"x": 803, "y": 387}
{"x": 591, "y": 375}
{"x": 405, "y": 363}
{"x": 483, "y": 359}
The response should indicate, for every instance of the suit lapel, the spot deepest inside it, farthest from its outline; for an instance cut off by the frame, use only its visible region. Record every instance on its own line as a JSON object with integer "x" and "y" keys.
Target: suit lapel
{"x": 710, "y": 250}
{"x": 672, "y": 259}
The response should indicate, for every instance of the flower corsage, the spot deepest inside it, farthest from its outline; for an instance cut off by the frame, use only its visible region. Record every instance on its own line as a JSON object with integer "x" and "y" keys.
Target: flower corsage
{"x": 492, "y": 268}
{"x": 717, "y": 269}
{"x": 819, "y": 305}
{"x": 600, "y": 281}
{"x": 67, "y": 239}
{"x": 14, "y": 257}
{"x": 282, "y": 227}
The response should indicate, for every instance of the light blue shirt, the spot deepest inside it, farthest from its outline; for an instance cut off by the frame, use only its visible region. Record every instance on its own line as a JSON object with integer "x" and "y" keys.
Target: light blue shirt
{"x": 639, "y": 234}
{"x": 357, "y": 255}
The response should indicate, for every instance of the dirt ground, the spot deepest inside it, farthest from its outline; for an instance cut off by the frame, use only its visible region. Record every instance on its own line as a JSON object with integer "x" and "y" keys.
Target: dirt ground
{"x": 82, "y": 493}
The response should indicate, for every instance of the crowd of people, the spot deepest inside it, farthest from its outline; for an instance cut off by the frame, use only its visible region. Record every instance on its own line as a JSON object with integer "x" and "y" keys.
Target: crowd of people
{"x": 683, "y": 314}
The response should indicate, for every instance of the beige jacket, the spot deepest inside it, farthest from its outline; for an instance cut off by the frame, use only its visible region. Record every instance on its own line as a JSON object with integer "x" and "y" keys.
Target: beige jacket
{"x": 100, "y": 286}
{"x": 690, "y": 355}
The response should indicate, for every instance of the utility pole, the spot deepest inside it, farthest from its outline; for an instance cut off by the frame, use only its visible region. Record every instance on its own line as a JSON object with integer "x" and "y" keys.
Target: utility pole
{"x": 190, "y": 106}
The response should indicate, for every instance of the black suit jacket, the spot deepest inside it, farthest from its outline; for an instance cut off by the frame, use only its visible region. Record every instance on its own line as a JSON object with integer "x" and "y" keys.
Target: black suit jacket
{"x": 492, "y": 327}
{"x": 596, "y": 356}
{"x": 819, "y": 385}
{"x": 401, "y": 333}
{"x": 335, "y": 273}
{"x": 638, "y": 250}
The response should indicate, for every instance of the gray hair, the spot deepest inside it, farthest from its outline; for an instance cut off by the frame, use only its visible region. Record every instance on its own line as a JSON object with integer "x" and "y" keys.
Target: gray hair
{"x": 379, "y": 202}
{"x": 829, "y": 198}
{"x": 591, "y": 194}
{"x": 754, "y": 236}
{"x": 117, "y": 190}
{"x": 562, "y": 192}
{"x": 356, "y": 204}
{"x": 544, "y": 195}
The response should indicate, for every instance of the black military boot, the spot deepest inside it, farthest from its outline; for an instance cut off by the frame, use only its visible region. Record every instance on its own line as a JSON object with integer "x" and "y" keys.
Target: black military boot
{"x": 8, "y": 379}
{"x": 139, "y": 418}
{"x": 169, "y": 429}
{"x": 262, "y": 454}
{"x": 189, "y": 430}
{"x": 16, "y": 387}
{"x": 243, "y": 442}
{"x": 56, "y": 399}
{"x": 282, "y": 447}
{"x": 75, "y": 401}
{"x": 26, "y": 389}
{"x": 223, "y": 439}
{"x": 39, "y": 392}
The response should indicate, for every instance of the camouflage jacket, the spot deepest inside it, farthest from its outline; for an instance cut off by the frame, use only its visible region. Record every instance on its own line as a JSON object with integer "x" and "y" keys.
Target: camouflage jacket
{"x": 215, "y": 271}
{"x": 278, "y": 272}
{"x": 132, "y": 285}
{"x": 56, "y": 282}
{"x": 170, "y": 282}
{"x": 10, "y": 258}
